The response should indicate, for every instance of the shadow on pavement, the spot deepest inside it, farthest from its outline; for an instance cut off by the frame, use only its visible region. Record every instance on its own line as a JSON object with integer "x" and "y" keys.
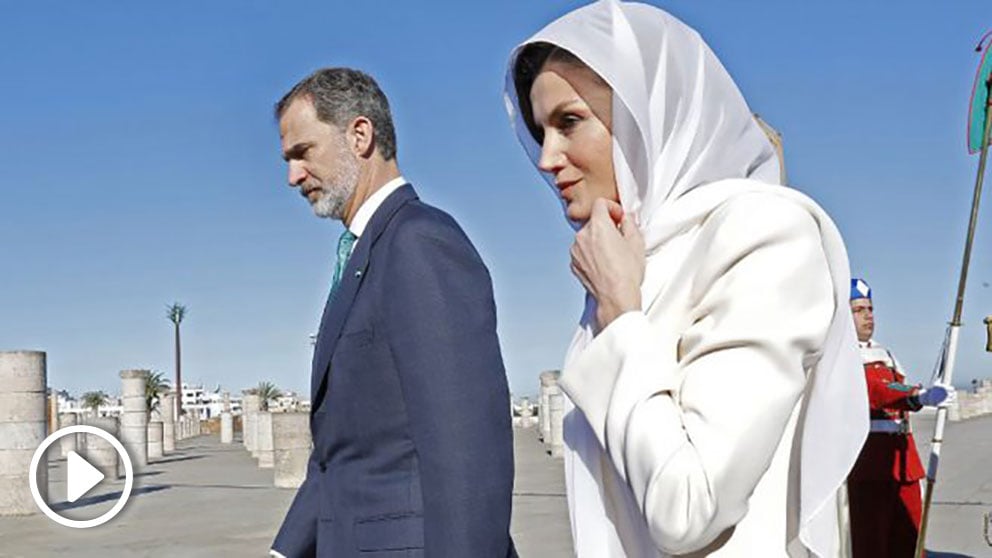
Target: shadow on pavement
{"x": 90, "y": 500}
{"x": 175, "y": 459}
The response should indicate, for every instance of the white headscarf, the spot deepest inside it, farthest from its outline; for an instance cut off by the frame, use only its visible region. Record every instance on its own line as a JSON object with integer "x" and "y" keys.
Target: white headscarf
{"x": 685, "y": 141}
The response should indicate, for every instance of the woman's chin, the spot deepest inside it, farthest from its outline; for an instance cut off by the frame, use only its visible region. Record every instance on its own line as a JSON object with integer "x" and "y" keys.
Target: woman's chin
{"x": 576, "y": 212}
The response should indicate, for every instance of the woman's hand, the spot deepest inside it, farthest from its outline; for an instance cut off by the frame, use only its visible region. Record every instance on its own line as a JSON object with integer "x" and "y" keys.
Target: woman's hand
{"x": 608, "y": 259}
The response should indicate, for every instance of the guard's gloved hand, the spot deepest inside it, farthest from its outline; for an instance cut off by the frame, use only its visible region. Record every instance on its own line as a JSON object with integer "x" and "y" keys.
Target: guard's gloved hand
{"x": 933, "y": 396}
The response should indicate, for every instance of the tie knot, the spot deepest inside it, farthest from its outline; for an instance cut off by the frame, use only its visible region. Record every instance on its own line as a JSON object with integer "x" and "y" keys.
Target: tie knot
{"x": 345, "y": 242}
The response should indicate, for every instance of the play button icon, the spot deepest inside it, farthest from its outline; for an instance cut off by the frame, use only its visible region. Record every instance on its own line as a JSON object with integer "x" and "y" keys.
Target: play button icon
{"x": 81, "y": 476}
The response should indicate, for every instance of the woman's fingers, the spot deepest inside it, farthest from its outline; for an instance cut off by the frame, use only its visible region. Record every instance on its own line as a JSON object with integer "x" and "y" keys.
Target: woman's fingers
{"x": 606, "y": 211}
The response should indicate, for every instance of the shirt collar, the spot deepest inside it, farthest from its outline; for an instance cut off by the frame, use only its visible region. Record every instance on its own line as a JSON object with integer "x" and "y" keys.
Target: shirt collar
{"x": 368, "y": 207}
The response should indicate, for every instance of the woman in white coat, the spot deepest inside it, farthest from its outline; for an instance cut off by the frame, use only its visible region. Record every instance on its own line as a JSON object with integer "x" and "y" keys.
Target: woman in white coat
{"x": 719, "y": 401}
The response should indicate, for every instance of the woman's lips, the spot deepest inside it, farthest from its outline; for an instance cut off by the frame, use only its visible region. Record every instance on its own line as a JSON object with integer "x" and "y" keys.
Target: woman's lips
{"x": 564, "y": 187}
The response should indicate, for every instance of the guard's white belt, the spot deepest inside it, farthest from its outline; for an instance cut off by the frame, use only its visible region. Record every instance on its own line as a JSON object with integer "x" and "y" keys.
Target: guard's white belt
{"x": 890, "y": 426}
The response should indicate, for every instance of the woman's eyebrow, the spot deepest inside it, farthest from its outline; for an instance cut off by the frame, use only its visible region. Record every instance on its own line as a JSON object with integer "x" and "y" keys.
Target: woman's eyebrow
{"x": 561, "y": 108}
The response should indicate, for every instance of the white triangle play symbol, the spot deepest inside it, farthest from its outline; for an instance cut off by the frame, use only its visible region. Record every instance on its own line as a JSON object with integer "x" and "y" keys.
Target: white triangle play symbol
{"x": 81, "y": 476}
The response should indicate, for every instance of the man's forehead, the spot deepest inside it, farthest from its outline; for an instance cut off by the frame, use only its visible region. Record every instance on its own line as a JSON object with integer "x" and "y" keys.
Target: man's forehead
{"x": 861, "y": 303}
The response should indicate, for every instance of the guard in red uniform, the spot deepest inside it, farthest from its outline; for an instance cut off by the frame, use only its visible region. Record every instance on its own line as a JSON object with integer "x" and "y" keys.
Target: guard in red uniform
{"x": 884, "y": 486}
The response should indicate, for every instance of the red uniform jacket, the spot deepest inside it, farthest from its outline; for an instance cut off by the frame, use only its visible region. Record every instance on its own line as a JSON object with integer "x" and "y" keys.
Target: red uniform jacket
{"x": 889, "y": 456}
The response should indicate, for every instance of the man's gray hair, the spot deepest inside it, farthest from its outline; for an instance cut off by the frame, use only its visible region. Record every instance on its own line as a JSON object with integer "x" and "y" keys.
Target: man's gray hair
{"x": 342, "y": 94}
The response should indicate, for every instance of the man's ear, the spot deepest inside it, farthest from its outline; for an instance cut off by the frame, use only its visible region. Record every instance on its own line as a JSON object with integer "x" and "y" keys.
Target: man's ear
{"x": 361, "y": 137}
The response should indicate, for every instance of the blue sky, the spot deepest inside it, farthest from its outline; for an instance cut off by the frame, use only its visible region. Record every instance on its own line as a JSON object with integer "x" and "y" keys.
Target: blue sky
{"x": 140, "y": 165}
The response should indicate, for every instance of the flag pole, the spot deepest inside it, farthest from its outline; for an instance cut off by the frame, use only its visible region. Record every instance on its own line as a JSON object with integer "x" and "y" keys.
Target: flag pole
{"x": 947, "y": 369}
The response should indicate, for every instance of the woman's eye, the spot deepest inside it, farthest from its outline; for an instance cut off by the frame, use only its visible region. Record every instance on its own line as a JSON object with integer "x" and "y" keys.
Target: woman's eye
{"x": 568, "y": 121}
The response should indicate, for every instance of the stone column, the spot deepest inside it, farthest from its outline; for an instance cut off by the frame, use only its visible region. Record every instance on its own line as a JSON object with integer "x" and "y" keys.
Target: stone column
{"x": 168, "y": 409}
{"x": 266, "y": 458}
{"x": 226, "y": 428}
{"x": 155, "y": 440}
{"x": 526, "y": 413}
{"x": 249, "y": 409}
{"x": 549, "y": 382}
{"x": 226, "y": 421}
{"x": 99, "y": 453}
{"x": 557, "y": 416}
{"x": 23, "y": 426}
{"x": 68, "y": 443}
{"x": 291, "y": 448}
{"x": 134, "y": 417}
{"x": 53, "y": 412}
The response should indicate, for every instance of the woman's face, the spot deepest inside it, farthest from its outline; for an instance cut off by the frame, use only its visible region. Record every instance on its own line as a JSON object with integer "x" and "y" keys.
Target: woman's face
{"x": 573, "y": 108}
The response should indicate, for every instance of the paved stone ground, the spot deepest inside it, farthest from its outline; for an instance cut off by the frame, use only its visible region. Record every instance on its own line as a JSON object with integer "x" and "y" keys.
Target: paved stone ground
{"x": 210, "y": 500}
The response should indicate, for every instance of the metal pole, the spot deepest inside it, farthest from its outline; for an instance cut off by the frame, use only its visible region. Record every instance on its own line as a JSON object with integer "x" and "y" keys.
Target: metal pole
{"x": 952, "y": 345}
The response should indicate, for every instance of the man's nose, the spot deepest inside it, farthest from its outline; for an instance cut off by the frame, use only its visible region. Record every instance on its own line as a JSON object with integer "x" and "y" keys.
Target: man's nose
{"x": 296, "y": 175}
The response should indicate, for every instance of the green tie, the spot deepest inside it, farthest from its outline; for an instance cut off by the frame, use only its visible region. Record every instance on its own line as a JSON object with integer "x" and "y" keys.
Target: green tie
{"x": 345, "y": 243}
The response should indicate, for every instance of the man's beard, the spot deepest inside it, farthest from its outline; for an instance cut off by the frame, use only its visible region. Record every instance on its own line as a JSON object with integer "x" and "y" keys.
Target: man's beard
{"x": 336, "y": 191}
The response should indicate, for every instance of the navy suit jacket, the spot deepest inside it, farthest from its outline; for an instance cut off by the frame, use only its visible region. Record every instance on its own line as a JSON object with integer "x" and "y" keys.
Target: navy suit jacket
{"x": 413, "y": 445}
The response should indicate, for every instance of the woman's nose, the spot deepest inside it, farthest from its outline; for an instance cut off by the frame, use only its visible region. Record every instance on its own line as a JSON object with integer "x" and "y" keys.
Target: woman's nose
{"x": 552, "y": 156}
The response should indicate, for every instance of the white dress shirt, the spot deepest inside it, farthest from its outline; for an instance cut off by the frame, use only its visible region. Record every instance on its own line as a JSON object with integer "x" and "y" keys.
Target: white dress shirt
{"x": 370, "y": 205}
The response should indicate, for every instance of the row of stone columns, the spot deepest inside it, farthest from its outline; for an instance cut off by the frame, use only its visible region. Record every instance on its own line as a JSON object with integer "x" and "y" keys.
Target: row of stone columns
{"x": 27, "y": 416}
{"x": 188, "y": 425}
{"x": 280, "y": 441}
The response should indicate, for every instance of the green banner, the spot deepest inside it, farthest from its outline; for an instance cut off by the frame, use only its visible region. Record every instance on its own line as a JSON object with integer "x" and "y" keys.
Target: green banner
{"x": 979, "y": 97}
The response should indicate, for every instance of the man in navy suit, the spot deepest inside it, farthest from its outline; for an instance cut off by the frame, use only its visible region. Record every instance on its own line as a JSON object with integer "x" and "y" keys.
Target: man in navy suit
{"x": 413, "y": 447}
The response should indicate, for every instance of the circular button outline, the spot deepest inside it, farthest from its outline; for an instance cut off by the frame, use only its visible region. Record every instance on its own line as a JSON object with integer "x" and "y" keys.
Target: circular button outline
{"x": 74, "y": 523}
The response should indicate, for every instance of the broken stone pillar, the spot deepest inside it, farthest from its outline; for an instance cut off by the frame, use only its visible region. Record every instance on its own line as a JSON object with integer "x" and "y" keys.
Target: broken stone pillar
{"x": 266, "y": 458}
{"x": 134, "y": 416}
{"x": 557, "y": 416}
{"x": 226, "y": 421}
{"x": 99, "y": 453}
{"x": 68, "y": 443}
{"x": 549, "y": 383}
{"x": 291, "y": 448}
{"x": 155, "y": 440}
{"x": 249, "y": 409}
{"x": 526, "y": 418}
{"x": 168, "y": 409}
{"x": 226, "y": 428}
{"x": 23, "y": 427}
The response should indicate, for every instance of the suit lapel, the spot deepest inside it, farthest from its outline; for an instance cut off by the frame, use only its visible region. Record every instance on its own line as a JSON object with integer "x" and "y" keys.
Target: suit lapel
{"x": 337, "y": 308}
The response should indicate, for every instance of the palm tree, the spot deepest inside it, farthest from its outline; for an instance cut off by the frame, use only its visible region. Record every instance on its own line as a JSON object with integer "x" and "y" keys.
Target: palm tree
{"x": 154, "y": 388}
{"x": 176, "y": 312}
{"x": 93, "y": 400}
{"x": 266, "y": 391}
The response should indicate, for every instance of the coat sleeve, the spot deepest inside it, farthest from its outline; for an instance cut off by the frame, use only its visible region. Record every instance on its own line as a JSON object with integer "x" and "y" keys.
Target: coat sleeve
{"x": 885, "y": 395}
{"x": 440, "y": 322}
{"x": 692, "y": 419}
{"x": 297, "y": 537}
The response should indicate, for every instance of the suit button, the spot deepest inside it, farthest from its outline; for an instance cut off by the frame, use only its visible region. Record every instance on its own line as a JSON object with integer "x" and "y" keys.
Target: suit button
{"x": 322, "y": 467}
